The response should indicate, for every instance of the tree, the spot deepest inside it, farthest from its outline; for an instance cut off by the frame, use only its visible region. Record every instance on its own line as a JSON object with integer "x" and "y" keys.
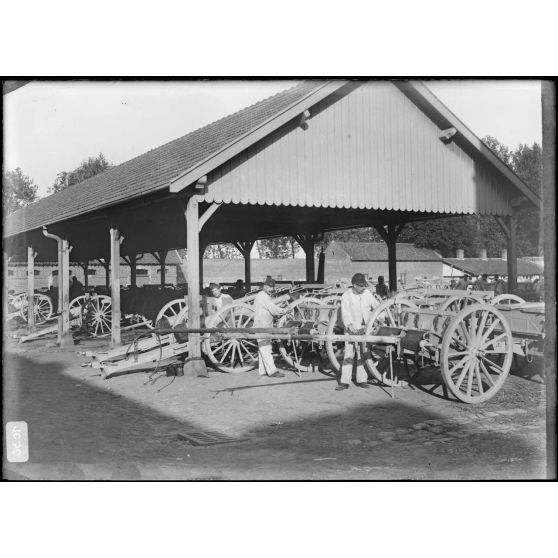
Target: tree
{"x": 280, "y": 247}
{"x": 18, "y": 190}
{"x": 88, "y": 168}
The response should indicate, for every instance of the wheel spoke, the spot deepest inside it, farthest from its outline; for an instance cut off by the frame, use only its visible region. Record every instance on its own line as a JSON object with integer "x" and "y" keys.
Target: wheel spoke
{"x": 461, "y": 363}
{"x": 482, "y": 324}
{"x": 495, "y": 339}
{"x": 479, "y": 381}
{"x": 490, "y": 329}
{"x": 470, "y": 379}
{"x": 462, "y": 375}
{"x": 493, "y": 364}
{"x": 486, "y": 373}
{"x": 226, "y": 352}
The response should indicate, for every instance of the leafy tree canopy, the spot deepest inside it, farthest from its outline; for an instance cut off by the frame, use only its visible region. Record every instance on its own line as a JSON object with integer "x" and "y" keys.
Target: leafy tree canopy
{"x": 18, "y": 190}
{"x": 88, "y": 168}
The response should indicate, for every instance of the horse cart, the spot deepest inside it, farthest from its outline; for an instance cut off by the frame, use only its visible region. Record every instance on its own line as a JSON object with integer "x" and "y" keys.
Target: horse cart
{"x": 471, "y": 339}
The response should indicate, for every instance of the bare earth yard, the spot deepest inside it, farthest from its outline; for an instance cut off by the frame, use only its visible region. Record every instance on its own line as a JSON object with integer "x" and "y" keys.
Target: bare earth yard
{"x": 84, "y": 427}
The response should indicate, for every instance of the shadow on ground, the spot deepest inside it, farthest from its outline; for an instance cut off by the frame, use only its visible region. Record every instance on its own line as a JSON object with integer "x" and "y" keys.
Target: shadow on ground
{"x": 72, "y": 423}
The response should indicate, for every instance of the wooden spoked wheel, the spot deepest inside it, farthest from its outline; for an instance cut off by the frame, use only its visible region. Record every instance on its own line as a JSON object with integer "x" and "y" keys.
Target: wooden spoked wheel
{"x": 42, "y": 308}
{"x": 96, "y": 311}
{"x": 171, "y": 311}
{"x": 377, "y": 356}
{"x": 476, "y": 353}
{"x": 232, "y": 355}
{"x": 335, "y": 349}
{"x": 302, "y": 355}
{"x": 456, "y": 303}
{"x": 507, "y": 300}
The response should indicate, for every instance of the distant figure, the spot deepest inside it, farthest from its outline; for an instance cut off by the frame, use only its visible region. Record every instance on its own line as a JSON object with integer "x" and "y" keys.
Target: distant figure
{"x": 76, "y": 288}
{"x": 482, "y": 283}
{"x": 500, "y": 286}
{"x": 463, "y": 283}
{"x": 538, "y": 289}
{"x": 239, "y": 289}
{"x": 219, "y": 299}
{"x": 382, "y": 288}
{"x": 453, "y": 284}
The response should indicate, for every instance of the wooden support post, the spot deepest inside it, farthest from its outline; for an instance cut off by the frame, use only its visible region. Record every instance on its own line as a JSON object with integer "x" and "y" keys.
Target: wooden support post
{"x": 64, "y": 278}
{"x": 509, "y": 226}
{"x": 106, "y": 264}
{"x": 31, "y": 290}
{"x": 115, "y": 241}
{"x": 6, "y": 290}
{"x": 245, "y": 248}
{"x": 307, "y": 242}
{"x": 511, "y": 223}
{"x": 548, "y": 226}
{"x": 132, "y": 261}
{"x": 85, "y": 267}
{"x": 390, "y": 235}
{"x": 202, "y": 252}
{"x": 194, "y": 365}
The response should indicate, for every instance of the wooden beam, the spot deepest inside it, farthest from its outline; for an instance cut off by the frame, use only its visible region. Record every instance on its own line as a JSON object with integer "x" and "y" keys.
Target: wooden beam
{"x": 66, "y": 340}
{"x": 207, "y": 214}
{"x": 503, "y": 225}
{"x": 512, "y": 254}
{"x": 195, "y": 365}
{"x": 31, "y": 254}
{"x": 115, "y": 241}
{"x": 245, "y": 248}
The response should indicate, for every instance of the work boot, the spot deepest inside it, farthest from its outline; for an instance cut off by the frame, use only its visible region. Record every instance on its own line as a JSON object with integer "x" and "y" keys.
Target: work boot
{"x": 277, "y": 375}
{"x": 341, "y": 387}
{"x": 363, "y": 385}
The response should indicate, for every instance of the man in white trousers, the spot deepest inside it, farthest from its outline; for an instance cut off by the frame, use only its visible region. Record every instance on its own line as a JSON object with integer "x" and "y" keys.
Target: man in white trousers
{"x": 356, "y": 304}
{"x": 265, "y": 310}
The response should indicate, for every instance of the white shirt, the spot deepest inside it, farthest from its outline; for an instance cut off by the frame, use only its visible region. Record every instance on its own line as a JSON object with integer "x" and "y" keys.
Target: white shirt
{"x": 355, "y": 308}
{"x": 219, "y": 302}
{"x": 264, "y": 310}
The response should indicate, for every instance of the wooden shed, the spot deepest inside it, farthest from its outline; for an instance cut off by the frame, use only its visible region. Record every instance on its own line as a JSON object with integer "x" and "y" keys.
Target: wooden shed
{"x": 321, "y": 156}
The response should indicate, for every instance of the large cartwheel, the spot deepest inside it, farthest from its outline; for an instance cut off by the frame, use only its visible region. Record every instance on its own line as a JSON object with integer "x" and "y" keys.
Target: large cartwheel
{"x": 42, "y": 307}
{"x": 473, "y": 348}
{"x": 95, "y": 310}
{"x": 388, "y": 313}
{"x": 232, "y": 355}
{"x": 306, "y": 312}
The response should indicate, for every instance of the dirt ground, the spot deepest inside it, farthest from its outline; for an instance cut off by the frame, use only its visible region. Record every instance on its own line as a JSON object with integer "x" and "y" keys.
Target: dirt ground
{"x": 131, "y": 427}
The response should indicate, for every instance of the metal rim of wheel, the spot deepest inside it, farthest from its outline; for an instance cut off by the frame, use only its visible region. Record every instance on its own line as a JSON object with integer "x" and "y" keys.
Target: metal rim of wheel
{"x": 232, "y": 355}
{"x": 376, "y": 357}
{"x": 507, "y": 300}
{"x": 456, "y": 303}
{"x": 334, "y": 349}
{"x": 172, "y": 311}
{"x": 300, "y": 354}
{"x": 476, "y": 353}
{"x": 42, "y": 308}
{"x": 100, "y": 307}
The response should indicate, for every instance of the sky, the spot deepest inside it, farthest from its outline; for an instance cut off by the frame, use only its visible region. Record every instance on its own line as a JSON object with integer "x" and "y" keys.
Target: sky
{"x": 51, "y": 127}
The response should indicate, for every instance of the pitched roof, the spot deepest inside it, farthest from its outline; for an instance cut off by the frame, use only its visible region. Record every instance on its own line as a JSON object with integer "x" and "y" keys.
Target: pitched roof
{"x": 377, "y": 251}
{"x": 155, "y": 169}
{"x": 493, "y": 266}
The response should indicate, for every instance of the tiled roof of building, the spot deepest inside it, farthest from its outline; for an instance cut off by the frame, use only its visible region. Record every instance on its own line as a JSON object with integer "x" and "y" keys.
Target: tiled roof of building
{"x": 493, "y": 266}
{"x": 377, "y": 251}
{"x": 155, "y": 169}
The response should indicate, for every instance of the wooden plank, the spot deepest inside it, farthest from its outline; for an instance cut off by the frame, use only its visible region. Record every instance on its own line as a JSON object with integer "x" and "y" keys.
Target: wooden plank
{"x": 30, "y": 290}
{"x": 115, "y": 286}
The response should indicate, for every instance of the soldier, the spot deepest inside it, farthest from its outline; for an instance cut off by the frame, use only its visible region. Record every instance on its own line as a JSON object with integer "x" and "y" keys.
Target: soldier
{"x": 381, "y": 288}
{"x": 220, "y": 299}
{"x": 356, "y": 304}
{"x": 265, "y": 310}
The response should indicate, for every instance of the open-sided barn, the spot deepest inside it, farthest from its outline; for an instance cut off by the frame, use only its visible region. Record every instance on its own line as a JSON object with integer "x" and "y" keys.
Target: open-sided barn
{"x": 321, "y": 156}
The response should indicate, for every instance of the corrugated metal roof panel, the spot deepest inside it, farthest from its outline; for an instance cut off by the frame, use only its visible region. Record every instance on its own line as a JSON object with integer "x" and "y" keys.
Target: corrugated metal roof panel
{"x": 372, "y": 148}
